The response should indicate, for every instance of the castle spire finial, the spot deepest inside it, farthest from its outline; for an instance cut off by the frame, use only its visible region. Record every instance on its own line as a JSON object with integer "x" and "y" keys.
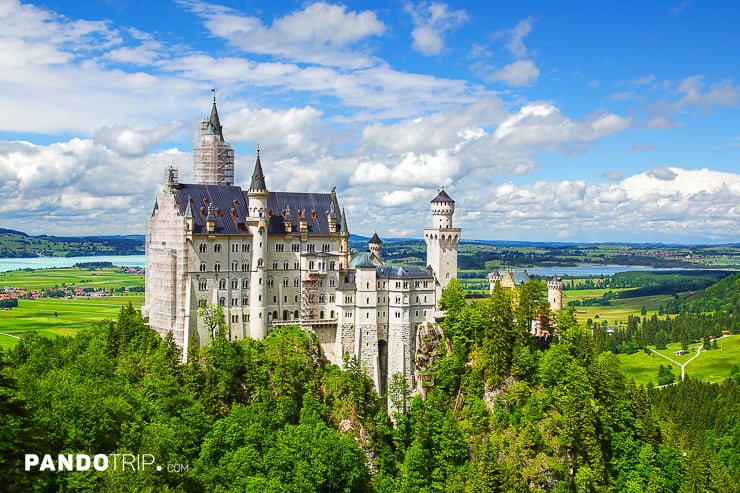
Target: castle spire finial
{"x": 213, "y": 90}
{"x": 258, "y": 151}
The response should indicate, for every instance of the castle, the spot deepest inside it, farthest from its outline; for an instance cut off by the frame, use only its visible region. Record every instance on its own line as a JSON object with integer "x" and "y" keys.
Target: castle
{"x": 276, "y": 258}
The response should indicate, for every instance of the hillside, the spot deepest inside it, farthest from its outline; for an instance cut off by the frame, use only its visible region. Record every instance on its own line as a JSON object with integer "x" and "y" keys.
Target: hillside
{"x": 723, "y": 296}
{"x": 17, "y": 244}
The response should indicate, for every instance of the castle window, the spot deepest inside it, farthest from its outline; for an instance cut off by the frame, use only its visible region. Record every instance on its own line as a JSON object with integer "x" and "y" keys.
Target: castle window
{"x": 235, "y": 247}
{"x": 311, "y": 265}
{"x": 202, "y": 266}
{"x": 295, "y": 282}
{"x": 296, "y": 265}
{"x": 426, "y": 284}
{"x": 270, "y": 283}
{"x": 202, "y": 248}
{"x": 202, "y": 303}
{"x": 260, "y": 263}
{"x": 234, "y": 301}
{"x": 331, "y": 298}
{"x": 417, "y": 313}
{"x": 310, "y": 247}
{"x": 285, "y": 282}
{"x": 217, "y": 267}
{"x": 326, "y": 247}
{"x": 367, "y": 315}
{"x": 280, "y": 247}
{"x": 331, "y": 265}
{"x": 321, "y": 283}
{"x": 398, "y": 284}
{"x": 285, "y": 265}
{"x": 296, "y": 299}
{"x": 245, "y": 267}
{"x": 222, "y": 301}
{"x": 274, "y": 299}
{"x": 417, "y": 300}
{"x": 405, "y": 285}
{"x": 217, "y": 248}
{"x": 245, "y": 247}
{"x": 245, "y": 317}
{"x": 322, "y": 299}
{"x": 235, "y": 283}
{"x": 274, "y": 266}
{"x": 285, "y": 299}
{"x": 416, "y": 284}
{"x": 425, "y": 299}
{"x": 222, "y": 284}
{"x": 348, "y": 315}
{"x": 331, "y": 314}
{"x": 398, "y": 299}
{"x": 245, "y": 300}
{"x": 332, "y": 282}
{"x": 202, "y": 285}
{"x": 296, "y": 314}
{"x": 234, "y": 265}
{"x": 295, "y": 247}
{"x": 378, "y": 284}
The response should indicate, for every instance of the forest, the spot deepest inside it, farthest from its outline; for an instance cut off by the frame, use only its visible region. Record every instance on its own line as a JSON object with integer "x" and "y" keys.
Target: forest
{"x": 501, "y": 411}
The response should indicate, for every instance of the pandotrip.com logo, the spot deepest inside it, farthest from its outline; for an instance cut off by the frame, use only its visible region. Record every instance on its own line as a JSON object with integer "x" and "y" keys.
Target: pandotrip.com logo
{"x": 98, "y": 462}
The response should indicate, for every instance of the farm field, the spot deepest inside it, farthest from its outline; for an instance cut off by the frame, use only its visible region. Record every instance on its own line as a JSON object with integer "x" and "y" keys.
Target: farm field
{"x": 619, "y": 309}
{"x": 108, "y": 278}
{"x": 59, "y": 316}
{"x": 71, "y": 315}
{"x": 711, "y": 366}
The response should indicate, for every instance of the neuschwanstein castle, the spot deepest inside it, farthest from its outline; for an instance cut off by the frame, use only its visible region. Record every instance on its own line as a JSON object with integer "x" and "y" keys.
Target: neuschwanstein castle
{"x": 276, "y": 258}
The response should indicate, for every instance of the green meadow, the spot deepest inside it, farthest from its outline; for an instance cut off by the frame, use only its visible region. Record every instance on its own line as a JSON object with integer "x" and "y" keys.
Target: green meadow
{"x": 58, "y": 316}
{"x": 714, "y": 365}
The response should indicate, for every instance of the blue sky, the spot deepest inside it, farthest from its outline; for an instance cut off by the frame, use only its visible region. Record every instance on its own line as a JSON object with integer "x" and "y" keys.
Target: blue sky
{"x": 567, "y": 121}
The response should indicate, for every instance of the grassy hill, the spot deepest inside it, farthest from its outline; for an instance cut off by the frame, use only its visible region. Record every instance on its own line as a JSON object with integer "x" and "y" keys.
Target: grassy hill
{"x": 17, "y": 244}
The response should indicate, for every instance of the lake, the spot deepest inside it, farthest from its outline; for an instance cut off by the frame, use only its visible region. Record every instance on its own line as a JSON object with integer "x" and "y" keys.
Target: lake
{"x": 7, "y": 264}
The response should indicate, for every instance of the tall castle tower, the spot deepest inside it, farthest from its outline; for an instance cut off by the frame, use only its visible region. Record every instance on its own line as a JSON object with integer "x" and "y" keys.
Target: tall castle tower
{"x": 213, "y": 158}
{"x": 376, "y": 245}
{"x": 257, "y": 224}
{"x": 442, "y": 240}
{"x": 555, "y": 293}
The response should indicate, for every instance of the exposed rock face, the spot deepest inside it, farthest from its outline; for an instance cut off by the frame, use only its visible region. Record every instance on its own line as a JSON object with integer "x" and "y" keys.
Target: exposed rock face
{"x": 429, "y": 340}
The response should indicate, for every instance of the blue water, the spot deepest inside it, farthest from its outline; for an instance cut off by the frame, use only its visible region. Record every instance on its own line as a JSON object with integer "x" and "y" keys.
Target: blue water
{"x": 7, "y": 264}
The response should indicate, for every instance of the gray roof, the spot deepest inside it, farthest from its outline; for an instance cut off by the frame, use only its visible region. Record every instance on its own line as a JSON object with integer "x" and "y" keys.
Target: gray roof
{"x": 258, "y": 177}
{"x": 392, "y": 272}
{"x": 363, "y": 259}
{"x": 230, "y": 204}
{"x": 376, "y": 239}
{"x": 442, "y": 197}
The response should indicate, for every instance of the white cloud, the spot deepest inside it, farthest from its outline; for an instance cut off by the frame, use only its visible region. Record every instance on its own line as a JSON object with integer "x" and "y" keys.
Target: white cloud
{"x": 432, "y": 22}
{"x": 516, "y": 38}
{"x": 321, "y": 33}
{"x": 517, "y": 74}
{"x": 132, "y": 143}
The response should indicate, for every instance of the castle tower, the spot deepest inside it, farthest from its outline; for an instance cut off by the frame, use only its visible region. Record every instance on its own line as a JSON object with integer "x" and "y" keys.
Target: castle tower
{"x": 376, "y": 245}
{"x": 213, "y": 158}
{"x": 442, "y": 240}
{"x": 343, "y": 242}
{"x": 555, "y": 293}
{"x": 257, "y": 225}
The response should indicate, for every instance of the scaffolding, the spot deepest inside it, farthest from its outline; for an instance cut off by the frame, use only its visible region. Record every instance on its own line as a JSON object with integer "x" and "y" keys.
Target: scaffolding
{"x": 310, "y": 296}
{"x": 213, "y": 159}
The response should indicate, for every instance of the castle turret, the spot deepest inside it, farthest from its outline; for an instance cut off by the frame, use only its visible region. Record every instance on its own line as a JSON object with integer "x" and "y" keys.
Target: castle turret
{"x": 257, "y": 225}
{"x": 375, "y": 245}
{"x": 555, "y": 293}
{"x": 343, "y": 241}
{"x": 442, "y": 240}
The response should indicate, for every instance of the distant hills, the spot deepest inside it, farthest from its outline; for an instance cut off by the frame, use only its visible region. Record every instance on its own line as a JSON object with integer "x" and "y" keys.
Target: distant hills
{"x": 472, "y": 254}
{"x": 17, "y": 244}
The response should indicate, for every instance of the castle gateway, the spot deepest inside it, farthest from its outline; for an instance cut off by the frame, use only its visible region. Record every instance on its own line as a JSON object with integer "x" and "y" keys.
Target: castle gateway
{"x": 275, "y": 258}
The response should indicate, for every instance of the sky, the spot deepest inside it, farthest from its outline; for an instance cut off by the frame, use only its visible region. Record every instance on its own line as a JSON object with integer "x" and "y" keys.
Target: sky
{"x": 574, "y": 121}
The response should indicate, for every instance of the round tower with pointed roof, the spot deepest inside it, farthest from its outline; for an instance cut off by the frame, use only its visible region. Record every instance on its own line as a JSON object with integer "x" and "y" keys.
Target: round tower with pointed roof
{"x": 442, "y": 240}
{"x": 257, "y": 225}
{"x": 376, "y": 245}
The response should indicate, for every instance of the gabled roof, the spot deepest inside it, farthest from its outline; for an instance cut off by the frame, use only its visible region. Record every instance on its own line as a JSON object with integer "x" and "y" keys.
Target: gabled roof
{"x": 230, "y": 205}
{"x": 363, "y": 259}
{"x": 375, "y": 240}
{"x": 442, "y": 197}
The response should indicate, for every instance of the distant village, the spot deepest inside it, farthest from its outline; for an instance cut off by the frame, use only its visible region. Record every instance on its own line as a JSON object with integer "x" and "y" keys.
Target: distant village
{"x": 10, "y": 293}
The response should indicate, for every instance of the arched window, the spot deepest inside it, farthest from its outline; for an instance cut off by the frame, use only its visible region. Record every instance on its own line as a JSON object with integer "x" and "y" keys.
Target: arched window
{"x": 245, "y": 283}
{"x": 222, "y": 283}
{"x": 235, "y": 283}
{"x": 331, "y": 265}
{"x": 234, "y": 265}
{"x": 217, "y": 267}
{"x": 222, "y": 301}
{"x": 285, "y": 314}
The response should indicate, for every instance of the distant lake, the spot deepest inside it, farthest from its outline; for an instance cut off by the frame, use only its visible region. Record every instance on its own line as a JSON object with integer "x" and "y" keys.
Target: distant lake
{"x": 7, "y": 264}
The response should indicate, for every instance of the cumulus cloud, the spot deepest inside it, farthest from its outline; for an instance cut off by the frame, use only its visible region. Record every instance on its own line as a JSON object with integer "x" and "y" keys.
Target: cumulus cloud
{"x": 517, "y": 74}
{"x": 432, "y": 22}
{"x": 131, "y": 142}
{"x": 321, "y": 33}
{"x": 662, "y": 173}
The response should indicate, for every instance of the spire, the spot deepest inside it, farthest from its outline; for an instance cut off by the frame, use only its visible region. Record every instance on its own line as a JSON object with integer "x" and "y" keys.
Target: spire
{"x": 258, "y": 177}
{"x": 188, "y": 209}
{"x": 214, "y": 126}
{"x": 376, "y": 239}
{"x": 343, "y": 223}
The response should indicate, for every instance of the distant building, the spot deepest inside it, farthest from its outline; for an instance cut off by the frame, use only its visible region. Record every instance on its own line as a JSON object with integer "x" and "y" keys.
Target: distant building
{"x": 512, "y": 278}
{"x": 273, "y": 258}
